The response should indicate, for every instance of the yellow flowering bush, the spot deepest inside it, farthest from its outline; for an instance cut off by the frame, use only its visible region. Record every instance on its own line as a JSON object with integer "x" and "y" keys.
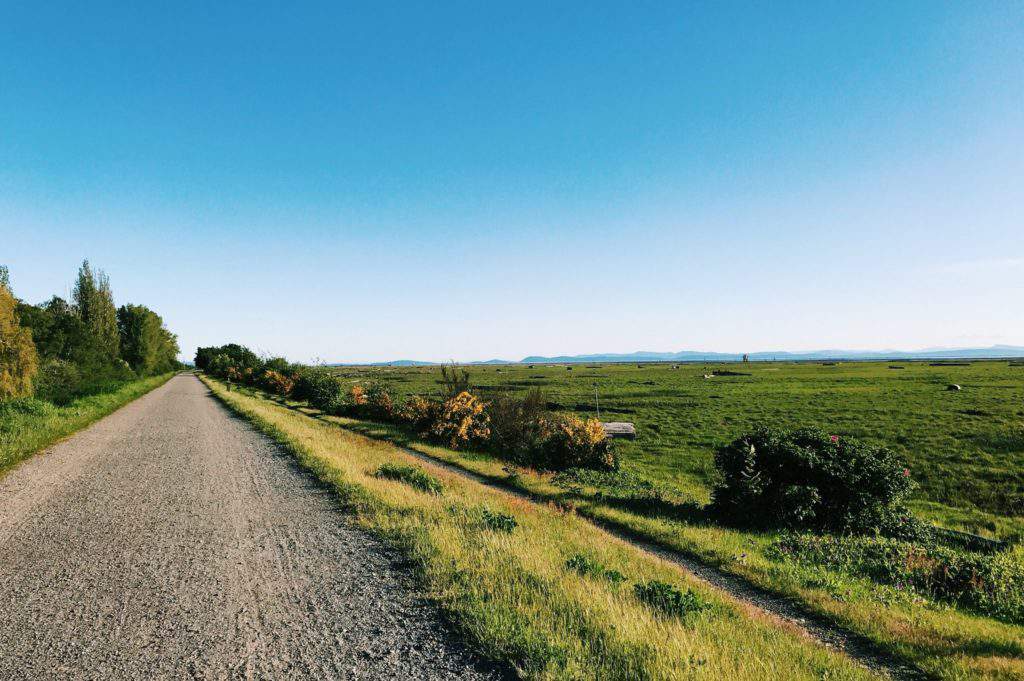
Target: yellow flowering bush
{"x": 571, "y": 442}
{"x": 357, "y": 395}
{"x": 420, "y": 413}
{"x": 462, "y": 422}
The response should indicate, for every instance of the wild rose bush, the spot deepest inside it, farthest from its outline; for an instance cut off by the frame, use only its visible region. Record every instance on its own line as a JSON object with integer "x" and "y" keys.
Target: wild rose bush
{"x": 808, "y": 479}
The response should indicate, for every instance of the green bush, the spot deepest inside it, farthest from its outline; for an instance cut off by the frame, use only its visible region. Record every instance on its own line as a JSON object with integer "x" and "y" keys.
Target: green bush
{"x": 809, "y": 479}
{"x": 517, "y": 426}
{"x": 58, "y": 381}
{"x": 412, "y": 476}
{"x": 587, "y": 566}
{"x": 990, "y": 584}
{"x": 668, "y": 599}
{"x": 320, "y": 388}
{"x": 497, "y": 521}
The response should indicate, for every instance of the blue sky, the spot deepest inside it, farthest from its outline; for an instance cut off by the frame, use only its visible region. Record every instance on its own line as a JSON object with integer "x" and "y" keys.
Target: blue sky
{"x": 476, "y": 180}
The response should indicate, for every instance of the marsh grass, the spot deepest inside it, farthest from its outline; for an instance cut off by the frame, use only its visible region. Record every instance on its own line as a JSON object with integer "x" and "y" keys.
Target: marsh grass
{"x": 965, "y": 449}
{"x": 510, "y": 594}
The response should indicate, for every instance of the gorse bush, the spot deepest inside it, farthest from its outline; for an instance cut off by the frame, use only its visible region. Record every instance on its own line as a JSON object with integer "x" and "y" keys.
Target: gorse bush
{"x": 811, "y": 480}
{"x": 989, "y": 584}
{"x": 277, "y": 383}
{"x": 380, "y": 402}
{"x": 462, "y": 422}
{"x": 420, "y": 413}
{"x": 519, "y": 430}
{"x": 571, "y": 442}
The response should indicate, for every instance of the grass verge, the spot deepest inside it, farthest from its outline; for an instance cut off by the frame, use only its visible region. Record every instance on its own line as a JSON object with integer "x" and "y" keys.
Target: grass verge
{"x": 29, "y": 425}
{"x": 511, "y": 587}
{"x": 943, "y": 641}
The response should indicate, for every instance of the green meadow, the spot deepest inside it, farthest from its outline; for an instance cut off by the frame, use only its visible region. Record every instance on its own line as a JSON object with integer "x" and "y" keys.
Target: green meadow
{"x": 964, "y": 448}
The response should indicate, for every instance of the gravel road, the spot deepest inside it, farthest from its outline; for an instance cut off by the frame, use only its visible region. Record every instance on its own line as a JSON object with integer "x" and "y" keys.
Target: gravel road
{"x": 171, "y": 540}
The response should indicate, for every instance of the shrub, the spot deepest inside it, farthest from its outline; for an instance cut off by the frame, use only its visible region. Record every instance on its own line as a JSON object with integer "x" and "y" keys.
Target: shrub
{"x": 517, "y": 425}
{"x": 320, "y": 388}
{"x": 584, "y": 565}
{"x": 411, "y": 476}
{"x": 668, "y": 599}
{"x": 462, "y": 422}
{"x": 24, "y": 406}
{"x": 809, "y": 479}
{"x": 571, "y": 442}
{"x": 276, "y": 383}
{"x": 379, "y": 403}
{"x": 454, "y": 381}
{"x": 420, "y": 413}
{"x": 59, "y": 381}
{"x": 499, "y": 522}
{"x": 990, "y": 584}
{"x": 357, "y": 395}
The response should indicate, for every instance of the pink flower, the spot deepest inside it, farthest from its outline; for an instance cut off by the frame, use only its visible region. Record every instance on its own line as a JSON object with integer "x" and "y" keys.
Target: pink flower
{"x": 906, "y": 472}
{"x": 834, "y": 438}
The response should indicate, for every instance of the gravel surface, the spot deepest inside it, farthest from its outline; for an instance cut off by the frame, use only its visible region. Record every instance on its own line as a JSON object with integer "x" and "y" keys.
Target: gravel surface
{"x": 171, "y": 540}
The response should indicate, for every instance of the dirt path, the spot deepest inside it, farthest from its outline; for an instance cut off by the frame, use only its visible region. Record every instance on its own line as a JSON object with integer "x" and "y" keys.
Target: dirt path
{"x": 170, "y": 540}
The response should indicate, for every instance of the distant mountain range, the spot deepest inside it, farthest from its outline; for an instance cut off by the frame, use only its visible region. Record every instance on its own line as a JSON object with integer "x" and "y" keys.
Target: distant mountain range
{"x": 993, "y": 352}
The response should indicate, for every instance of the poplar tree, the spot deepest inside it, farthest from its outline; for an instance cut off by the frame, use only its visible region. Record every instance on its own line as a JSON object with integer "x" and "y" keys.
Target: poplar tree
{"x": 94, "y": 302}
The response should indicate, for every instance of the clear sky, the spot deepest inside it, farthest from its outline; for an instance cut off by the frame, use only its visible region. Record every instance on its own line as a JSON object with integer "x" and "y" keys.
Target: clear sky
{"x": 472, "y": 180}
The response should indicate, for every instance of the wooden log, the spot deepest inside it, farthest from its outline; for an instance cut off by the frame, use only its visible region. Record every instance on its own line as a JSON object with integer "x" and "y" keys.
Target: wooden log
{"x": 619, "y": 429}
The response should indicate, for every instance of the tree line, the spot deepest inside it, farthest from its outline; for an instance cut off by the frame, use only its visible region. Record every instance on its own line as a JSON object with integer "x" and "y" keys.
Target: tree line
{"x": 59, "y": 350}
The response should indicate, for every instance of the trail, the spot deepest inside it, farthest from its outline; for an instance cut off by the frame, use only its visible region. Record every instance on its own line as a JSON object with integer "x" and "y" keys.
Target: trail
{"x": 171, "y": 540}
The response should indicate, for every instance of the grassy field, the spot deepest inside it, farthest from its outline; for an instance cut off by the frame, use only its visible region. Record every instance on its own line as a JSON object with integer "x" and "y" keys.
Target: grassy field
{"x": 26, "y": 426}
{"x": 945, "y": 640}
{"x": 948, "y": 438}
{"x": 534, "y": 586}
{"x": 966, "y": 448}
